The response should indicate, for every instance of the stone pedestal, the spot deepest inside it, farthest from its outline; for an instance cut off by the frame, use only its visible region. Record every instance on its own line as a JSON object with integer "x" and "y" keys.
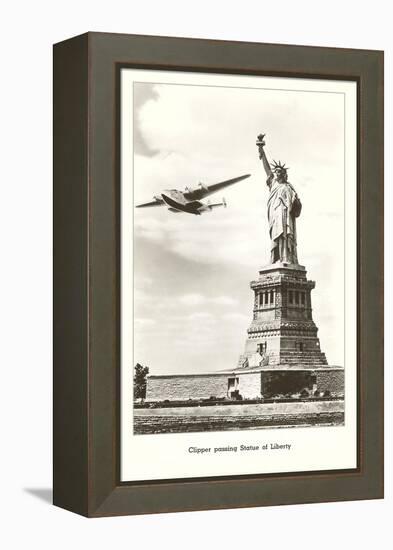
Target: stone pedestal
{"x": 282, "y": 332}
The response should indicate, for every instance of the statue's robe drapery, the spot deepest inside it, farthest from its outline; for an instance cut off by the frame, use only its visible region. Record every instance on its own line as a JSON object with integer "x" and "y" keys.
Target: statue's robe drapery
{"x": 282, "y": 209}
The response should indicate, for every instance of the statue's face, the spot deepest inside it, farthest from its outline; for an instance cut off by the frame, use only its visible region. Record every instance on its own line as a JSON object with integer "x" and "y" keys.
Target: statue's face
{"x": 281, "y": 176}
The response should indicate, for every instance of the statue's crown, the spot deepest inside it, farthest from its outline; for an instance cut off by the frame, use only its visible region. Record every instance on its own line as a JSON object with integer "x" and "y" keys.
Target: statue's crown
{"x": 278, "y": 167}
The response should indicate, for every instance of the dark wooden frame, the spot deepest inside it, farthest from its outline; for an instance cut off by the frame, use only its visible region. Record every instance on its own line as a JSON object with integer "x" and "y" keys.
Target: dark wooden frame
{"x": 86, "y": 274}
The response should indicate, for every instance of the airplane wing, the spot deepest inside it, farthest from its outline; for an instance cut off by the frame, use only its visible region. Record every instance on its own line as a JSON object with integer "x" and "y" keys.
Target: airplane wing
{"x": 194, "y": 205}
{"x": 152, "y": 203}
{"x": 217, "y": 186}
{"x": 206, "y": 190}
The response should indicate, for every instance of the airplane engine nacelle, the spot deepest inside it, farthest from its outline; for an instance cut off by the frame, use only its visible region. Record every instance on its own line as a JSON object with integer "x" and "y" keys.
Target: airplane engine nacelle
{"x": 203, "y": 187}
{"x": 205, "y": 208}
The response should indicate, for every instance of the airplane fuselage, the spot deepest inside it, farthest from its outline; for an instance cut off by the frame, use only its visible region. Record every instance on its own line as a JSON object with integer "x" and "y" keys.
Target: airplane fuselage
{"x": 175, "y": 201}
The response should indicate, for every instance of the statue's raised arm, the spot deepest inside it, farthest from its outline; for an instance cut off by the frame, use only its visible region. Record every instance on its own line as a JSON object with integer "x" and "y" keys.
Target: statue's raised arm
{"x": 262, "y": 155}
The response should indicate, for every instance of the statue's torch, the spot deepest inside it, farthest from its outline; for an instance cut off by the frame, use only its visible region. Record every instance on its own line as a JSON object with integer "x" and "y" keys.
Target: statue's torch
{"x": 260, "y": 143}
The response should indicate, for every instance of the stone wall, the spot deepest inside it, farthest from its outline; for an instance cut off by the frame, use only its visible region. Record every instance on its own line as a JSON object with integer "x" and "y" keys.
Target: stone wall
{"x": 178, "y": 387}
{"x": 250, "y": 385}
{"x": 185, "y": 387}
{"x": 332, "y": 380}
{"x": 286, "y": 382}
{"x": 283, "y": 382}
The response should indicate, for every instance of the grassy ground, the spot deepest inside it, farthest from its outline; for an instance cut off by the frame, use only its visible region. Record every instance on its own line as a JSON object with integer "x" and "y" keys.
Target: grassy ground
{"x": 256, "y": 416}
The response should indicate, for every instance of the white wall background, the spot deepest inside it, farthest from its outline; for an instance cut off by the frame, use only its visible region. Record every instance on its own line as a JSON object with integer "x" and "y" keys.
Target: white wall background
{"x": 27, "y": 31}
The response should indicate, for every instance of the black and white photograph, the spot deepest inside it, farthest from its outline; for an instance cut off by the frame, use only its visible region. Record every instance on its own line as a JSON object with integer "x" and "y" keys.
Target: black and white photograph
{"x": 239, "y": 271}
{"x": 214, "y": 350}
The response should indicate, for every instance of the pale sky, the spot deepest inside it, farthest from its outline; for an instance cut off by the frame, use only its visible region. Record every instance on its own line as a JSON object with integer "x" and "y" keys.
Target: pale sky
{"x": 193, "y": 303}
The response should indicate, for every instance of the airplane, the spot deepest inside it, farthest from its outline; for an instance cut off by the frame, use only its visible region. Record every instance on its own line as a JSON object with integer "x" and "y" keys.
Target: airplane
{"x": 189, "y": 200}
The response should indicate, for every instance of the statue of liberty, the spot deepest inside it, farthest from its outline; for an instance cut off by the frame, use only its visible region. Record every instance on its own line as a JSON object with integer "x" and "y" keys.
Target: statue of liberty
{"x": 283, "y": 207}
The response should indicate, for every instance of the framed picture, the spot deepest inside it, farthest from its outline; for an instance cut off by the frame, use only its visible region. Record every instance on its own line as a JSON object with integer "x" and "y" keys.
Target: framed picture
{"x": 218, "y": 274}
